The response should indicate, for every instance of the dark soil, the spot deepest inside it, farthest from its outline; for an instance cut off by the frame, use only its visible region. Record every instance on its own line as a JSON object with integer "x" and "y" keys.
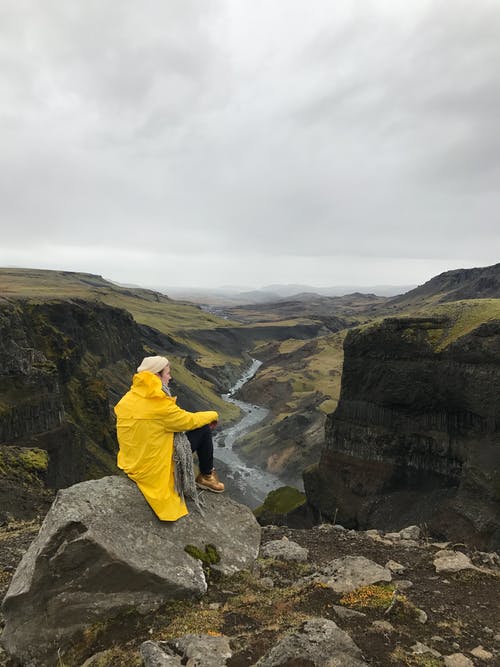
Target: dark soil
{"x": 462, "y": 609}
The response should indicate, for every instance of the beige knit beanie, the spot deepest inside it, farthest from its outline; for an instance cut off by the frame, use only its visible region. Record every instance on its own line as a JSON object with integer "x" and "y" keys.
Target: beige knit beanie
{"x": 153, "y": 364}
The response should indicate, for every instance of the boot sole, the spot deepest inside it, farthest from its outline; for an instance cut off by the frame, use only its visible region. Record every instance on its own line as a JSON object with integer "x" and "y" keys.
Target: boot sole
{"x": 207, "y": 488}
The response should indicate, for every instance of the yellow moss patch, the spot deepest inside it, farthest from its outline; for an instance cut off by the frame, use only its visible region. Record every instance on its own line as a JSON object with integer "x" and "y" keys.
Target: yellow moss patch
{"x": 194, "y": 621}
{"x": 35, "y": 459}
{"x": 400, "y": 656}
{"x": 455, "y": 626}
{"x": 374, "y": 596}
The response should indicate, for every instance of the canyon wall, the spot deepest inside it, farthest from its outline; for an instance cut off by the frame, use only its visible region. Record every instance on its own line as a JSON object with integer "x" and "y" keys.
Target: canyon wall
{"x": 61, "y": 365}
{"x": 416, "y": 435}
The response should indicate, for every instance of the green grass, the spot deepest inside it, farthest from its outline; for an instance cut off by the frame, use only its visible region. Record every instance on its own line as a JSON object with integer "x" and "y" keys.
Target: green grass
{"x": 146, "y": 306}
{"x": 281, "y": 501}
{"x": 459, "y": 318}
{"x": 465, "y": 316}
{"x": 25, "y": 466}
{"x": 34, "y": 459}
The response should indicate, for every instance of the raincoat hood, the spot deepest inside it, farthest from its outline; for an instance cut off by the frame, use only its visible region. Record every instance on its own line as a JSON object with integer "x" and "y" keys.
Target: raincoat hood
{"x": 147, "y": 385}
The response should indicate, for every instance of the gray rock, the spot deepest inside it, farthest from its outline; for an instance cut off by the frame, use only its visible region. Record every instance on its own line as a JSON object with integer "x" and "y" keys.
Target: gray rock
{"x": 350, "y": 572}
{"x": 394, "y": 537}
{"x": 100, "y": 659}
{"x": 284, "y": 549}
{"x": 452, "y": 561}
{"x": 457, "y": 660}
{"x": 159, "y": 654}
{"x": 382, "y": 626}
{"x": 419, "y": 649}
{"x": 395, "y": 567}
{"x": 421, "y": 616}
{"x": 319, "y": 642}
{"x": 409, "y": 543}
{"x": 202, "y": 650}
{"x": 404, "y": 584}
{"x": 344, "y": 613}
{"x": 101, "y": 551}
{"x": 410, "y": 533}
{"x": 482, "y": 654}
{"x": 372, "y": 532}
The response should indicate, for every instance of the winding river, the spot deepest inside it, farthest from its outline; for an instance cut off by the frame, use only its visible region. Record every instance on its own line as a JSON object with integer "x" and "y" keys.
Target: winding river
{"x": 244, "y": 483}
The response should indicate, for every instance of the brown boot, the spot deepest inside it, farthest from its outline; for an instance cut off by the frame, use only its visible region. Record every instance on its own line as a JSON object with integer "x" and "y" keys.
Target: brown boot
{"x": 210, "y": 482}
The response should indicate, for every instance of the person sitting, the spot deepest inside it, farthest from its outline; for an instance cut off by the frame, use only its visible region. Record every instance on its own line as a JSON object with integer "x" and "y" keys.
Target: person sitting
{"x": 147, "y": 419}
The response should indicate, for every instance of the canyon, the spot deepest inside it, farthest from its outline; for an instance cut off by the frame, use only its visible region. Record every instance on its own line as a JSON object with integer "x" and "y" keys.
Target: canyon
{"x": 396, "y": 398}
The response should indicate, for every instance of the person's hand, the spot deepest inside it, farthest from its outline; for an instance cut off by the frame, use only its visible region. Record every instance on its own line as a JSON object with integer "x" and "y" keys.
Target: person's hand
{"x": 213, "y": 424}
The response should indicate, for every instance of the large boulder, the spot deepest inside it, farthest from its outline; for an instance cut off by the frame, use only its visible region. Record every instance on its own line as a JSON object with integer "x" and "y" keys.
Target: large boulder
{"x": 319, "y": 642}
{"x": 101, "y": 551}
{"x": 203, "y": 650}
{"x": 345, "y": 574}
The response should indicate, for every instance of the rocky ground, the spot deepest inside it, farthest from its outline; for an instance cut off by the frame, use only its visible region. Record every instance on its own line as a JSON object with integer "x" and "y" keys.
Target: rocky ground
{"x": 432, "y": 616}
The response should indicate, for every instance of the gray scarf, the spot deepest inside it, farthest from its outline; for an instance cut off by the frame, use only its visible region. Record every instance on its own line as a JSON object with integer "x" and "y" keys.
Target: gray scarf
{"x": 184, "y": 479}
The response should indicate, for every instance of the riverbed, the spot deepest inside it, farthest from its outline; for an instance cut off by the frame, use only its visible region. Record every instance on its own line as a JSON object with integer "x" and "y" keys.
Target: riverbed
{"x": 244, "y": 483}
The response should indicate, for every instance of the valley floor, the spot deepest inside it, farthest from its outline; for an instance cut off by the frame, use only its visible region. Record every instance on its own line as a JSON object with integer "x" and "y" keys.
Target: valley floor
{"x": 255, "y": 610}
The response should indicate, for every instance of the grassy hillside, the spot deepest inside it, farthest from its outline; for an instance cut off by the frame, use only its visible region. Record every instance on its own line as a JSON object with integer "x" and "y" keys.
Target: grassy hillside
{"x": 147, "y": 307}
{"x": 464, "y": 317}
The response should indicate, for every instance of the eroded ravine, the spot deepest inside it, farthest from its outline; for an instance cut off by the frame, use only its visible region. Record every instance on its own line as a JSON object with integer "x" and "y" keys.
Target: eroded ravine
{"x": 246, "y": 484}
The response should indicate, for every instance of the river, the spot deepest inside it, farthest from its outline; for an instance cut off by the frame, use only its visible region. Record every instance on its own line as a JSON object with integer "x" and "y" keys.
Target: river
{"x": 244, "y": 483}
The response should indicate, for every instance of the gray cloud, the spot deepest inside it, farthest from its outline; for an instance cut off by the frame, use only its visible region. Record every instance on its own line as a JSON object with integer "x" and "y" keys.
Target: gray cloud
{"x": 296, "y": 142}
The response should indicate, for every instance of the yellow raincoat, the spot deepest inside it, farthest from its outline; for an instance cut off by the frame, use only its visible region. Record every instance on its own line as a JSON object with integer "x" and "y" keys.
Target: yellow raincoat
{"x": 147, "y": 421}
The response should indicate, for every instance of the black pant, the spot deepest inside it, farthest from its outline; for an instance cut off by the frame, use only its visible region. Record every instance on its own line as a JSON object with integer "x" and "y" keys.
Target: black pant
{"x": 202, "y": 443}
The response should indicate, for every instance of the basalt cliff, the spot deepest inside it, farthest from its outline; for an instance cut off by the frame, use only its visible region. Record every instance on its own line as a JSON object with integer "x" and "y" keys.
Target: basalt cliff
{"x": 416, "y": 434}
{"x": 59, "y": 364}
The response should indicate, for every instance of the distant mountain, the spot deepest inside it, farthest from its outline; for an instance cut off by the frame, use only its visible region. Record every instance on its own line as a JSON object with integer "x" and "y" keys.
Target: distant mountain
{"x": 337, "y": 290}
{"x": 234, "y": 296}
{"x": 218, "y": 296}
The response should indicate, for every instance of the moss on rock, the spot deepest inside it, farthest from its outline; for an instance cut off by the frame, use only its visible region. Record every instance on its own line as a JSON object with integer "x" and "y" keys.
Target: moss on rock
{"x": 36, "y": 460}
{"x": 281, "y": 501}
{"x": 208, "y": 557}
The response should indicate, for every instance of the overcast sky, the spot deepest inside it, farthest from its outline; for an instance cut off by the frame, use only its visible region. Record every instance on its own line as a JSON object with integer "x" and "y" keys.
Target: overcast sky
{"x": 212, "y": 142}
